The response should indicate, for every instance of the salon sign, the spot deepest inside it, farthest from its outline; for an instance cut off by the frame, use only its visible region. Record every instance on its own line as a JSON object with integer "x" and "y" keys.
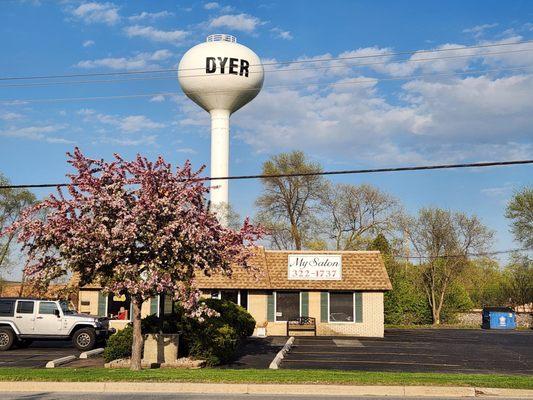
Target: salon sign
{"x": 315, "y": 267}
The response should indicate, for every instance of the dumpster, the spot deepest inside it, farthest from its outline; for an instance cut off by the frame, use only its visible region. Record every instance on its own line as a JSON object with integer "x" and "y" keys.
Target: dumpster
{"x": 498, "y": 318}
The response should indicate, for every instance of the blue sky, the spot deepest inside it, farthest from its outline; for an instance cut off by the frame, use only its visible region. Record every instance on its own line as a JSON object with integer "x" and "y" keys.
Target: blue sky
{"x": 389, "y": 122}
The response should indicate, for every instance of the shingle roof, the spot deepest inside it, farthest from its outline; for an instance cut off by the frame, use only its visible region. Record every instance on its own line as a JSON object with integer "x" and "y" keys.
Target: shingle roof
{"x": 361, "y": 270}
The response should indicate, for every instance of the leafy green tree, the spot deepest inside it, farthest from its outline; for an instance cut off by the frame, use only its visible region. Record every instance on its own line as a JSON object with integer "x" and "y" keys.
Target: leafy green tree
{"x": 520, "y": 278}
{"x": 520, "y": 212}
{"x": 485, "y": 283}
{"x": 288, "y": 205}
{"x": 12, "y": 202}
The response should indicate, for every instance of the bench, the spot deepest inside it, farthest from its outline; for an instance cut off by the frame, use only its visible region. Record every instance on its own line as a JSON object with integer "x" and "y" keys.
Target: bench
{"x": 302, "y": 324}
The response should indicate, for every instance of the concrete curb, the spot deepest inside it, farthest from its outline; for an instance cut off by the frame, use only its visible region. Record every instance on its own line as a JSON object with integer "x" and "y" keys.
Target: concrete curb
{"x": 60, "y": 361}
{"x": 270, "y": 389}
{"x": 91, "y": 353}
{"x": 281, "y": 354}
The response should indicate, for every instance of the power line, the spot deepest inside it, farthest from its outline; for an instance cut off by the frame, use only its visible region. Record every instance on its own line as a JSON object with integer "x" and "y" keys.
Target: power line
{"x": 317, "y": 173}
{"x": 483, "y": 254}
{"x": 327, "y": 59}
{"x": 355, "y": 81}
{"x": 147, "y": 78}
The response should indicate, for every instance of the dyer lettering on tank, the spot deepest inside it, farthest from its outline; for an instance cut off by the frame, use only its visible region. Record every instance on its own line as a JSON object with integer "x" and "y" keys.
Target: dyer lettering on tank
{"x": 226, "y": 65}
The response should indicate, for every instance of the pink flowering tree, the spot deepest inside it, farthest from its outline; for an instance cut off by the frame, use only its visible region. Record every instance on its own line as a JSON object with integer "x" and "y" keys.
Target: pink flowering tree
{"x": 136, "y": 227}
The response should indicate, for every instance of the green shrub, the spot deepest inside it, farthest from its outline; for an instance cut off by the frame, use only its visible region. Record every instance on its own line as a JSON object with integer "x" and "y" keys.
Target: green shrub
{"x": 233, "y": 315}
{"x": 457, "y": 300}
{"x": 119, "y": 344}
{"x": 215, "y": 339}
{"x": 405, "y": 304}
{"x": 217, "y": 345}
{"x": 151, "y": 324}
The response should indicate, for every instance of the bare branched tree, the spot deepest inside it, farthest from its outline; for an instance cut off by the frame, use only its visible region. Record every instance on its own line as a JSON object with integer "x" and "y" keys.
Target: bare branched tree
{"x": 444, "y": 241}
{"x": 356, "y": 214}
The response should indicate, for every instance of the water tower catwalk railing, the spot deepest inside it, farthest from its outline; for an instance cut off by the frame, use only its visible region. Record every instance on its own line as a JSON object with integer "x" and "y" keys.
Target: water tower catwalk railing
{"x": 221, "y": 37}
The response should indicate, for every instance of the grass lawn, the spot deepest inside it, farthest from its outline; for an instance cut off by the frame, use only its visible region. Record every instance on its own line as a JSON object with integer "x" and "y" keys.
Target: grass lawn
{"x": 266, "y": 376}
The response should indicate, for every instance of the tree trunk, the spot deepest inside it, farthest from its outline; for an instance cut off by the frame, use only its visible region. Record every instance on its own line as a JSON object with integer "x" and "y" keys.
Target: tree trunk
{"x": 137, "y": 345}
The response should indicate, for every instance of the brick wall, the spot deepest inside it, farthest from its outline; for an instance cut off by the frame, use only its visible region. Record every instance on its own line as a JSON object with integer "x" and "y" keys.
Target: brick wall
{"x": 371, "y": 326}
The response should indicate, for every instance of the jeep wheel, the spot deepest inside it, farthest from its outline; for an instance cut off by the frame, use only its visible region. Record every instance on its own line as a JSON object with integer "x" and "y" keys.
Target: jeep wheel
{"x": 84, "y": 339}
{"x": 24, "y": 343}
{"x": 7, "y": 338}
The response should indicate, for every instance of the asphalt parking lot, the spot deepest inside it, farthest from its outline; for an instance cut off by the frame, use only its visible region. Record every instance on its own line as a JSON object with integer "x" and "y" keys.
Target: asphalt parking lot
{"x": 417, "y": 350}
{"x": 37, "y": 354}
{"x": 420, "y": 350}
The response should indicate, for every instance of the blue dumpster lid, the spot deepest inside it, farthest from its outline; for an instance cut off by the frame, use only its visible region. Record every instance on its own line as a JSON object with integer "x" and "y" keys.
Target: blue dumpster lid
{"x": 498, "y": 309}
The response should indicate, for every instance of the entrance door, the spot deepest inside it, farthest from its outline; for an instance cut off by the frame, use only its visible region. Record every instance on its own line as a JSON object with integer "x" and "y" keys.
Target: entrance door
{"x": 25, "y": 317}
{"x": 46, "y": 321}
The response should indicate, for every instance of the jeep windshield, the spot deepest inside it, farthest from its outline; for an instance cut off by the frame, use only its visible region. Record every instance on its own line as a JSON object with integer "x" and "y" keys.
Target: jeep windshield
{"x": 66, "y": 308}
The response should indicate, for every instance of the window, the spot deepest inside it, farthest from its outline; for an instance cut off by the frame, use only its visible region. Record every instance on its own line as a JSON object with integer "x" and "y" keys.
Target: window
{"x": 6, "y": 308}
{"x": 287, "y": 306}
{"x": 47, "y": 307}
{"x": 239, "y": 297}
{"x": 243, "y": 299}
{"x": 230, "y": 295}
{"x": 118, "y": 307}
{"x": 341, "y": 307}
{"x": 25, "y": 307}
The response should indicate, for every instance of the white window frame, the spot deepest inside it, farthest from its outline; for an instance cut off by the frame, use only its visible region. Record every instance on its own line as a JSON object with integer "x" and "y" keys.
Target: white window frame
{"x": 276, "y": 304}
{"x": 130, "y": 311}
{"x": 353, "y": 310}
{"x": 239, "y": 294}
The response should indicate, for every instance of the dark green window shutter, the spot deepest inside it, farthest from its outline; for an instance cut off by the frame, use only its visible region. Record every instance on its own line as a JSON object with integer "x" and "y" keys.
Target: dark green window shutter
{"x": 101, "y": 304}
{"x": 270, "y": 307}
{"x": 358, "y": 307}
{"x": 323, "y": 306}
{"x": 304, "y": 296}
{"x": 154, "y": 306}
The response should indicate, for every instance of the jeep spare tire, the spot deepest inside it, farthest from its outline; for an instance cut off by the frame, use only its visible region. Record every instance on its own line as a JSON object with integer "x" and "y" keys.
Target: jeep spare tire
{"x": 7, "y": 338}
{"x": 84, "y": 339}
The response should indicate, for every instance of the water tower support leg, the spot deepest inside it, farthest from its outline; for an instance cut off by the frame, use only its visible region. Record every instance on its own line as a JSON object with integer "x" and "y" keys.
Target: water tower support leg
{"x": 220, "y": 162}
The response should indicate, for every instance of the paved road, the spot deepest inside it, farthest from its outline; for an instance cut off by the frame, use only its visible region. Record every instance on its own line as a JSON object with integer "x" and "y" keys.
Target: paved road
{"x": 428, "y": 350}
{"x": 132, "y": 396}
{"x": 37, "y": 355}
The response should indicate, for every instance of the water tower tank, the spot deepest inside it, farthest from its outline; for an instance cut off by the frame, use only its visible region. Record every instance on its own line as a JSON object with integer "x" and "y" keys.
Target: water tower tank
{"x": 220, "y": 76}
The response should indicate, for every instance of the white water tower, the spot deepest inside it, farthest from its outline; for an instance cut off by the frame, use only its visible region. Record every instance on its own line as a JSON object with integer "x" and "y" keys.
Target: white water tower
{"x": 220, "y": 76}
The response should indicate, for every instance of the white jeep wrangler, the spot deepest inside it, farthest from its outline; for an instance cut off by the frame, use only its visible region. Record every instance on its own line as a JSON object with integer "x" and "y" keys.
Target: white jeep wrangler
{"x": 24, "y": 320}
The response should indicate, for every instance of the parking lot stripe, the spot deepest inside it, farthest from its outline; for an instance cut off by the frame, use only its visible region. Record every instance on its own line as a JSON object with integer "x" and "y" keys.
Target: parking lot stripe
{"x": 370, "y": 362}
{"x": 373, "y": 353}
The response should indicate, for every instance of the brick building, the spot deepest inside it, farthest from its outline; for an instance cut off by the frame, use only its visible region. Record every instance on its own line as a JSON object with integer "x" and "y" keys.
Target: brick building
{"x": 342, "y": 290}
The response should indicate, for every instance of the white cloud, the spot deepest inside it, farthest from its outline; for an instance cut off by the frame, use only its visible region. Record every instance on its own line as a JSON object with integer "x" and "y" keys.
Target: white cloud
{"x": 175, "y": 37}
{"x": 39, "y": 133}
{"x": 139, "y": 61}
{"x": 211, "y": 5}
{"x": 143, "y": 140}
{"x": 479, "y": 30}
{"x": 187, "y": 150}
{"x": 150, "y": 16}
{"x": 127, "y": 124}
{"x": 239, "y": 22}
{"x": 281, "y": 34}
{"x": 157, "y": 99}
{"x": 9, "y": 115}
{"x": 88, "y": 43}
{"x": 93, "y": 13}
